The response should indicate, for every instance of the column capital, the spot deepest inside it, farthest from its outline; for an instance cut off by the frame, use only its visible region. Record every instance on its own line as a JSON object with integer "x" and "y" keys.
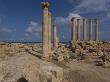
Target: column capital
{"x": 44, "y": 4}
{"x": 72, "y": 18}
{"x": 78, "y": 19}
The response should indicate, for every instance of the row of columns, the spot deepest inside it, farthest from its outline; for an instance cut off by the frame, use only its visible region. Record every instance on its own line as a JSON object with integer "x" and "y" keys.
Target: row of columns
{"x": 46, "y": 31}
{"x": 73, "y": 36}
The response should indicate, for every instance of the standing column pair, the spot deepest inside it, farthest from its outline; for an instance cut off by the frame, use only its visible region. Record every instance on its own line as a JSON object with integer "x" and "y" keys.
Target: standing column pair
{"x": 96, "y": 29}
{"x": 73, "y": 38}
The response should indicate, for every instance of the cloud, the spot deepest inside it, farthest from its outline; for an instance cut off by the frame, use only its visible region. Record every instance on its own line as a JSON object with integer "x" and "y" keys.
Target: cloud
{"x": 7, "y": 30}
{"x": 87, "y": 6}
{"x": 66, "y": 20}
{"x": 33, "y": 27}
{"x": 64, "y": 24}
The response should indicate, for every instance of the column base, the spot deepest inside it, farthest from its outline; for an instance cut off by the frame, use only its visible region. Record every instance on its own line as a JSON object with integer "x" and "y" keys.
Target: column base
{"x": 72, "y": 44}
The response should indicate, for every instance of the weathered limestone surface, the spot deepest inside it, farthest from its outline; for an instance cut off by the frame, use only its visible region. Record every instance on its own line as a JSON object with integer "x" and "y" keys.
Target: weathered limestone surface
{"x": 55, "y": 37}
{"x": 23, "y": 61}
{"x": 78, "y": 29}
{"x": 73, "y": 35}
{"x": 45, "y": 28}
{"x": 97, "y": 29}
{"x": 49, "y": 33}
{"x": 84, "y": 29}
{"x": 90, "y": 30}
{"x": 30, "y": 68}
{"x": 73, "y": 29}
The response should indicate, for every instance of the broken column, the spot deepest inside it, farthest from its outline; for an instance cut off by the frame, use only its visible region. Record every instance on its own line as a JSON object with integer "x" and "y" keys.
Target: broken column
{"x": 96, "y": 30}
{"x": 84, "y": 29}
{"x": 45, "y": 27}
{"x": 78, "y": 29}
{"x": 90, "y": 30}
{"x": 55, "y": 38}
{"x": 49, "y": 33}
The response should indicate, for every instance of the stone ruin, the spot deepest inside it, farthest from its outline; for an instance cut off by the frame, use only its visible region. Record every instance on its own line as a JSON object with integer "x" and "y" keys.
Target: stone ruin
{"x": 58, "y": 63}
{"x": 83, "y": 48}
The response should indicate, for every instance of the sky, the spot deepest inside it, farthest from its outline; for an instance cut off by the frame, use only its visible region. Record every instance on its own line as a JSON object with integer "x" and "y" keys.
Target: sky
{"x": 22, "y": 19}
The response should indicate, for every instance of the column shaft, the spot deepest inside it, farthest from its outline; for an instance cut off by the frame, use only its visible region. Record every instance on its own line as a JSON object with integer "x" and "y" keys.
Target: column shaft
{"x": 45, "y": 6}
{"x": 78, "y": 29}
{"x": 49, "y": 33}
{"x": 90, "y": 30}
{"x": 55, "y": 38}
{"x": 97, "y": 29}
{"x": 73, "y": 30}
{"x": 84, "y": 29}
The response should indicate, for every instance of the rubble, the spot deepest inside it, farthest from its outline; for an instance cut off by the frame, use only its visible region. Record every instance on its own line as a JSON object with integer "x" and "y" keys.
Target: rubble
{"x": 24, "y": 62}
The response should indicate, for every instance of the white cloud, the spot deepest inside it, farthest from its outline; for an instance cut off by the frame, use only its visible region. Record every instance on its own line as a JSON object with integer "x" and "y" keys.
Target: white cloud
{"x": 33, "y": 27}
{"x": 7, "y": 30}
{"x": 66, "y": 20}
{"x": 86, "y": 6}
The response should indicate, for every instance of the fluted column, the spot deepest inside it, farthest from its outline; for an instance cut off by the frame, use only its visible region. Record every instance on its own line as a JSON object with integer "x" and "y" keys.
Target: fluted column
{"x": 45, "y": 27}
{"x": 96, "y": 30}
{"x": 78, "y": 29}
{"x": 84, "y": 29}
{"x": 73, "y": 29}
{"x": 90, "y": 30}
{"x": 55, "y": 38}
{"x": 49, "y": 33}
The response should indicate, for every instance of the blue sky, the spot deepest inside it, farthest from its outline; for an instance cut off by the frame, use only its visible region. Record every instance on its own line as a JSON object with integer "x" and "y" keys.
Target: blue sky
{"x": 22, "y": 19}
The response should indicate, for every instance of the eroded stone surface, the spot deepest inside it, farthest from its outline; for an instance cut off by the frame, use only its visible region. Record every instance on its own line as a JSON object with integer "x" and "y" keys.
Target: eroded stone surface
{"x": 25, "y": 61}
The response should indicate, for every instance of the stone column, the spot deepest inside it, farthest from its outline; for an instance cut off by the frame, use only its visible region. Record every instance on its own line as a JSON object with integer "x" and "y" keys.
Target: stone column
{"x": 49, "y": 33}
{"x": 57, "y": 41}
{"x": 78, "y": 29}
{"x": 55, "y": 38}
{"x": 84, "y": 29}
{"x": 73, "y": 29}
{"x": 96, "y": 30}
{"x": 45, "y": 26}
{"x": 90, "y": 30}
